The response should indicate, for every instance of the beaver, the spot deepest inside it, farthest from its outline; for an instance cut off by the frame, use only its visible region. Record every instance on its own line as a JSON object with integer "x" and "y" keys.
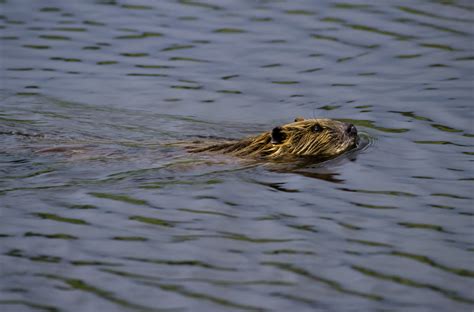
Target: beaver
{"x": 317, "y": 138}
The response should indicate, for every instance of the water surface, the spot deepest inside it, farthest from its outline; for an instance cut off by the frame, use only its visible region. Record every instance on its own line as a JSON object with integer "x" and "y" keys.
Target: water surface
{"x": 118, "y": 218}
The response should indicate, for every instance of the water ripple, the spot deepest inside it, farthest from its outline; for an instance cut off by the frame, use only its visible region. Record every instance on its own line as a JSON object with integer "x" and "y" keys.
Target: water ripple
{"x": 101, "y": 203}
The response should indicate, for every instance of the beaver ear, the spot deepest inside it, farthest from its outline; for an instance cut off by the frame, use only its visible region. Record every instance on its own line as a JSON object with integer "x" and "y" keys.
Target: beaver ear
{"x": 299, "y": 119}
{"x": 277, "y": 135}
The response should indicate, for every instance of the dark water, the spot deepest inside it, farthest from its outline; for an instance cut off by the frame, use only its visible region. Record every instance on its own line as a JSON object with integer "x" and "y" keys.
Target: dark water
{"x": 119, "y": 219}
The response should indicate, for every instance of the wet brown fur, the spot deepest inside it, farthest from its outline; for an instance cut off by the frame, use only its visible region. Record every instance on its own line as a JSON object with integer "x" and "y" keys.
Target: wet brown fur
{"x": 321, "y": 138}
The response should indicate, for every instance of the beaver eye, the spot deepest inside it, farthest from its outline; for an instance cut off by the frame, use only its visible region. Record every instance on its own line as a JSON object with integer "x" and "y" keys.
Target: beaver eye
{"x": 317, "y": 128}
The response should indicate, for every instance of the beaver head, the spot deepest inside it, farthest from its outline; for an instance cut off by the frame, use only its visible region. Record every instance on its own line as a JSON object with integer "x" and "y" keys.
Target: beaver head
{"x": 323, "y": 138}
{"x": 320, "y": 138}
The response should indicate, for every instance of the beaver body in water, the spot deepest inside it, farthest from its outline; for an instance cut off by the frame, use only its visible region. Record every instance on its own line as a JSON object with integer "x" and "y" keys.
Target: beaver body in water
{"x": 317, "y": 138}
{"x": 314, "y": 140}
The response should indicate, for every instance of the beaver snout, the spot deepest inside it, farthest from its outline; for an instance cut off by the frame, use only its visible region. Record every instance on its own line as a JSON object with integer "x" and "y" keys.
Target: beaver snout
{"x": 351, "y": 130}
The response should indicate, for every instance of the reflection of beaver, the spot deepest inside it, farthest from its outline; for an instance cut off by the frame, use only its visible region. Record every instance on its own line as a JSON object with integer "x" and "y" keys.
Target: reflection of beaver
{"x": 321, "y": 138}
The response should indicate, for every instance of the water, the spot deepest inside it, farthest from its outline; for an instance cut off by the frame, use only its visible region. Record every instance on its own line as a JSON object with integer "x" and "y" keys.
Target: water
{"x": 118, "y": 218}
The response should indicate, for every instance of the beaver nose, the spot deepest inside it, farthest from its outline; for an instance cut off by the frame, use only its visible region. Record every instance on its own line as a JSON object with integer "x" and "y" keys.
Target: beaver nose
{"x": 351, "y": 129}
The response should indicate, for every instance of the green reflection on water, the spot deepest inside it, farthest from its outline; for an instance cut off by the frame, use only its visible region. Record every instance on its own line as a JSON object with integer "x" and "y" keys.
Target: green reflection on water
{"x": 157, "y": 185}
{"x": 73, "y": 29}
{"x": 141, "y": 36}
{"x": 232, "y": 236}
{"x": 445, "y": 128}
{"x": 332, "y": 284}
{"x": 36, "y": 46}
{"x": 286, "y": 82}
{"x": 154, "y": 66}
{"x": 261, "y": 19}
{"x": 391, "y": 193}
{"x": 368, "y": 243}
{"x": 196, "y": 295}
{"x": 343, "y": 85}
{"x": 27, "y": 93}
{"x": 442, "y": 207}
{"x": 449, "y": 195}
{"x": 20, "y": 121}
{"x": 370, "y": 206}
{"x": 51, "y": 236}
{"x": 188, "y": 18}
{"x": 229, "y": 91}
{"x": 39, "y": 258}
{"x": 208, "y": 212}
{"x": 408, "y": 56}
{"x": 311, "y": 70}
{"x": 84, "y": 206}
{"x": 72, "y": 60}
{"x": 93, "y": 263}
{"x": 200, "y": 4}
{"x": 50, "y": 9}
{"x": 430, "y": 262}
{"x": 134, "y": 54}
{"x": 153, "y": 221}
{"x": 15, "y": 22}
{"x": 229, "y": 77}
{"x": 370, "y": 124}
{"x": 465, "y": 58}
{"x": 91, "y": 48}
{"x": 289, "y": 252}
{"x": 174, "y": 47}
{"x": 78, "y": 284}
{"x": 94, "y": 23}
{"x": 381, "y": 32}
{"x": 245, "y": 238}
{"x": 438, "y": 143}
{"x": 120, "y": 197}
{"x": 54, "y": 217}
{"x": 54, "y": 37}
{"x": 196, "y": 263}
{"x": 299, "y": 12}
{"x": 9, "y": 37}
{"x": 188, "y": 59}
{"x": 333, "y": 20}
{"x": 186, "y": 87}
{"x": 423, "y": 177}
{"x": 438, "y": 46}
{"x": 329, "y": 107}
{"x": 106, "y": 62}
{"x": 412, "y": 115}
{"x": 429, "y": 14}
{"x": 424, "y": 226}
{"x": 336, "y": 39}
{"x": 146, "y": 75}
{"x": 29, "y": 304}
{"x": 303, "y": 227}
{"x": 345, "y": 5}
{"x": 229, "y": 30}
{"x": 430, "y": 25}
{"x": 136, "y": 7}
{"x": 20, "y": 68}
{"x": 307, "y": 301}
{"x": 408, "y": 282}
{"x": 349, "y": 226}
{"x": 130, "y": 238}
